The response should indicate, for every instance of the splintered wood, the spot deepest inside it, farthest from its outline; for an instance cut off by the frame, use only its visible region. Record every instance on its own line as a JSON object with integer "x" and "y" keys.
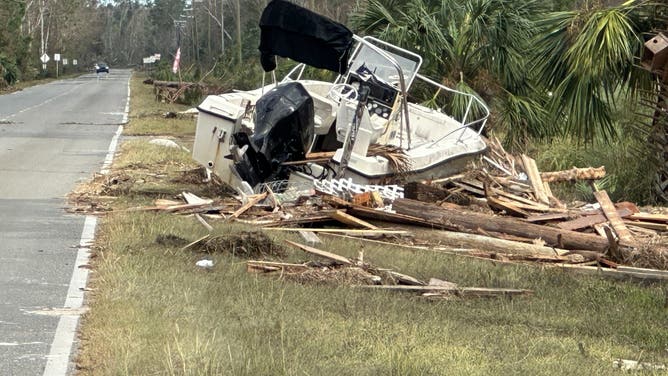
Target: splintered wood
{"x": 501, "y": 209}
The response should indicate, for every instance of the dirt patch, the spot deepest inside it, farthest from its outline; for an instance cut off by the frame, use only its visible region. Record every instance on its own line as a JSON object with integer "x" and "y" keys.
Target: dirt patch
{"x": 247, "y": 244}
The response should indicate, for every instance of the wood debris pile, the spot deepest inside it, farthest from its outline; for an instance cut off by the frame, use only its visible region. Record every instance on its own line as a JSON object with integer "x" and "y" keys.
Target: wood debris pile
{"x": 503, "y": 209}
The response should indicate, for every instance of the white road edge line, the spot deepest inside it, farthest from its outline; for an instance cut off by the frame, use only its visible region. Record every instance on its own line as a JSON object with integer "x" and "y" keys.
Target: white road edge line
{"x": 58, "y": 360}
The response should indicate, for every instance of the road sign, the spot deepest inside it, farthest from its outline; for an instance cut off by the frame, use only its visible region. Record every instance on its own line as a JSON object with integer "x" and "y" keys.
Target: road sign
{"x": 45, "y": 58}
{"x": 64, "y": 61}
{"x": 56, "y": 57}
{"x": 74, "y": 61}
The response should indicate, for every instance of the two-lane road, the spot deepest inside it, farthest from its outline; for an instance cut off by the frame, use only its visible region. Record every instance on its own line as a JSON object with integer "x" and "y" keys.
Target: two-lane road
{"x": 51, "y": 137}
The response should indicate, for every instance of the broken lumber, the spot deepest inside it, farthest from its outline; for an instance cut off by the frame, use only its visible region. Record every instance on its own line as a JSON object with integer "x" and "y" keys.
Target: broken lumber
{"x": 470, "y": 221}
{"x": 350, "y": 220}
{"x": 379, "y": 231}
{"x": 203, "y": 222}
{"x": 532, "y": 172}
{"x": 615, "y": 220}
{"x": 506, "y": 206}
{"x": 251, "y": 202}
{"x": 460, "y": 291}
{"x": 590, "y": 220}
{"x": 575, "y": 173}
{"x": 646, "y": 217}
{"x": 328, "y": 255}
{"x": 486, "y": 243}
{"x": 310, "y": 237}
{"x": 648, "y": 225}
{"x": 269, "y": 266}
{"x": 620, "y": 273}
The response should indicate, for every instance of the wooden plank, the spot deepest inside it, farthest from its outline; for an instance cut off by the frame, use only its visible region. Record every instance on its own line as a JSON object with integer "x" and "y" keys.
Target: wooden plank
{"x": 648, "y": 225}
{"x": 286, "y": 222}
{"x": 646, "y": 217}
{"x": 533, "y": 204}
{"x": 462, "y": 291}
{"x": 350, "y": 220}
{"x": 192, "y": 198}
{"x": 506, "y": 206}
{"x": 321, "y": 253}
{"x": 533, "y": 207}
{"x": 251, "y": 202}
{"x": 468, "y": 188}
{"x": 379, "y": 231}
{"x": 270, "y": 266}
{"x": 196, "y": 242}
{"x": 472, "y": 221}
{"x": 490, "y": 244}
{"x": 548, "y": 217}
{"x": 590, "y": 220}
{"x": 615, "y": 219}
{"x": 203, "y": 222}
{"x": 405, "y": 279}
{"x": 534, "y": 178}
{"x": 631, "y": 269}
{"x": 614, "y": 273}
{"x": 310, "y": 237}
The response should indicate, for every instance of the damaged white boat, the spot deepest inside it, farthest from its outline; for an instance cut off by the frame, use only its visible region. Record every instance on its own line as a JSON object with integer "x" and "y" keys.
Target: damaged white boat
{"x": 363, "y": 122}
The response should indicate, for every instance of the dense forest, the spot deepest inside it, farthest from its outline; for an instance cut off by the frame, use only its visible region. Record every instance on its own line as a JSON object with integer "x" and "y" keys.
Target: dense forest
{"x": 562, "y": 76}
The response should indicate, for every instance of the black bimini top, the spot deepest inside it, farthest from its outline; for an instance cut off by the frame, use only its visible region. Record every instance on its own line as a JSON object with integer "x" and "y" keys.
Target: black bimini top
{"x": 288, "y": 30}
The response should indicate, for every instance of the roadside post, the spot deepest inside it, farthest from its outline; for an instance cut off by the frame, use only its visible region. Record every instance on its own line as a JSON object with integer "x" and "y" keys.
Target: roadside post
{"x": 56, "y": 58}
{"x": 45, "y": 59}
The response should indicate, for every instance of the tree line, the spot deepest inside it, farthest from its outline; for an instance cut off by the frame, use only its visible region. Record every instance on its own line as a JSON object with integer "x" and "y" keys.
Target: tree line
{"x": 122, "y": 32}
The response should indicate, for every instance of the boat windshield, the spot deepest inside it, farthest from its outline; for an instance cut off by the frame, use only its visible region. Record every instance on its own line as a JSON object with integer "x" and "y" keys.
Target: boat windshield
{"x": 382, "y": 68}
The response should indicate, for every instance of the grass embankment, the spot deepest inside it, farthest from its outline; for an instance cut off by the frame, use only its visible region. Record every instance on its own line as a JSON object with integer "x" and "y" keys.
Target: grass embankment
{"x": 154, "y": 312}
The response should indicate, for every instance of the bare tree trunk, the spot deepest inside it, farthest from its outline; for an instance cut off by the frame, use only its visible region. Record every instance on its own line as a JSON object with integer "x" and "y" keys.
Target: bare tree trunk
{"x": 239, "y": 48}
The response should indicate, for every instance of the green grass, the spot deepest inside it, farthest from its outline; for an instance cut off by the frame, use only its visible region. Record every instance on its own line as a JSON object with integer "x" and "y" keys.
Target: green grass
{"x": 153, "y": 312}
{"x": 147, "y": 114}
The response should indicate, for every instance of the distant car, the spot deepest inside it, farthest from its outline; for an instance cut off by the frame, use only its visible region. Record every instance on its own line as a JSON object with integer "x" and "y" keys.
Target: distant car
{"x": 101, "y": 67}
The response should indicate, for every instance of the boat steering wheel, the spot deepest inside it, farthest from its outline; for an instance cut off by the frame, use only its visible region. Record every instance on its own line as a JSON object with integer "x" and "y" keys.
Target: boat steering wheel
{"x": 340, "y": 91}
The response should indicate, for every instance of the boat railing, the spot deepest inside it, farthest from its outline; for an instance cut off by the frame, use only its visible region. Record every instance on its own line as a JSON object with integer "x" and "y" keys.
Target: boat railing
{"x": 465, "y": 121}
{"x": 298, "y": 68}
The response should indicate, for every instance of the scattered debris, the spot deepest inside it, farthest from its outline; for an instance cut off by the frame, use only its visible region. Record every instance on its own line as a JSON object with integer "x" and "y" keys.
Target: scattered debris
{"x": 341, "y": 270}
{"x": 634, "y": 365}
{"x": 247, "y": 244}
{"x": 206, "y": 264}
{"x": 167, "y": 143}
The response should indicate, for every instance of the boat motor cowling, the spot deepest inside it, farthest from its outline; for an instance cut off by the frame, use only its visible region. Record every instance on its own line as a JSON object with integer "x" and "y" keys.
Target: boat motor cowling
{"x": 284, "y": 129}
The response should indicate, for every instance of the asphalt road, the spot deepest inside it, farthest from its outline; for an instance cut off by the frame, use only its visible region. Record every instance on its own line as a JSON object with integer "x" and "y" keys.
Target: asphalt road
{"x": 52, "y": 136}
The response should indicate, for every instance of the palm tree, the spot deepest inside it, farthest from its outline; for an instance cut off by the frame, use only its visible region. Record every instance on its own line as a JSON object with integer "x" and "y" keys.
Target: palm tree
{"x": 477, "y": 46}
{"x": 546, "y": 73}
{"x": 588, "y": 60}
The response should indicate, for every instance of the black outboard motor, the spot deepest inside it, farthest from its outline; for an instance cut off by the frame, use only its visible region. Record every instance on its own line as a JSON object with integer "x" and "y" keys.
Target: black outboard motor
{"x": 284, "y": 129}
